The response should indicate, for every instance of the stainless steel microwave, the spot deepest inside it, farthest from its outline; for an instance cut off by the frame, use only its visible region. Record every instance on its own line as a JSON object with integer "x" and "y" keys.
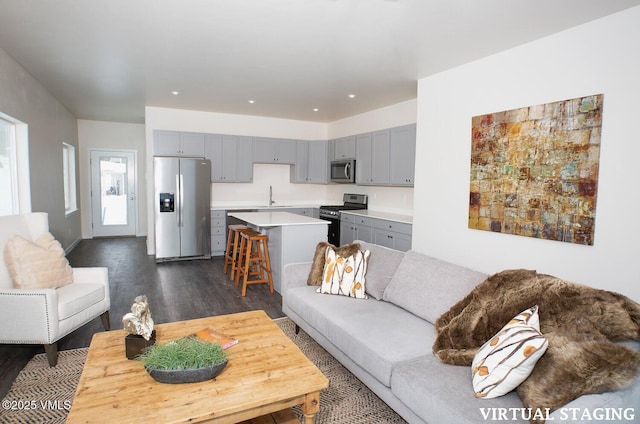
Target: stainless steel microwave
{"x": 343, "y": 171}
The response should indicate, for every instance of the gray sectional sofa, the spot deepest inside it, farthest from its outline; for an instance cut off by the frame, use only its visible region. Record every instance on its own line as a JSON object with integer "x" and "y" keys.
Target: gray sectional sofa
{"x": 389, "y": 348}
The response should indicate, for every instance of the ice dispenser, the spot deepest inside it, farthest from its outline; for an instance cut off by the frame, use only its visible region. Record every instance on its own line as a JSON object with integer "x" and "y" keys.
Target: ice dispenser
{"x": 166, "y": 202}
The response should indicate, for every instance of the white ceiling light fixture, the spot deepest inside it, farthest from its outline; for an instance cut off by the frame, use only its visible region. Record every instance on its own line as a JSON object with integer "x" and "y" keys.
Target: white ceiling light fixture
{"x": 315, "y": 109}
{"x": 352, "y": 96}
{"x": 175, "y": 93}
{"x": 252, "y": 101}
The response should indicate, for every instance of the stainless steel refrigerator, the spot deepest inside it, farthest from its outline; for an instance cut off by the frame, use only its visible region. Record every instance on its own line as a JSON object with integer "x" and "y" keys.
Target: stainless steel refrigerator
{"x": 182, "y": 208}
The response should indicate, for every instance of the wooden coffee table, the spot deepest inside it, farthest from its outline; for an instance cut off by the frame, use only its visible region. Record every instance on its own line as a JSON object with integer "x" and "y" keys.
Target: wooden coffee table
{"x": 266, "y": 373}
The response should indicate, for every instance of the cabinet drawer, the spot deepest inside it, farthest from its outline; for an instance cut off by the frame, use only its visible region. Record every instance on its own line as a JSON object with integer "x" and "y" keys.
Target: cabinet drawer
{"x": 217, "y": 214}
{"x": 398, "y": 227}
{"x": 347, "y": 218}
{"x": 363, "y": 220}
{"x": 217, "y": 222}
{"x": 219, "y": 230}
{"x": 218, "y": 243}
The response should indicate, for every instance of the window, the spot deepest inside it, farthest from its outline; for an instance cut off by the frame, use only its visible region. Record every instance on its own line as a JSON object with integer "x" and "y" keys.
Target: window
{"x": 69, "y": 175}
{"x": 8, "y": 169}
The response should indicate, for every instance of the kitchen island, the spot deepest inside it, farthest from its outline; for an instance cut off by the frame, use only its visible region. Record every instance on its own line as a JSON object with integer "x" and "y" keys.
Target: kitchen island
{"x": 292, "y": 238}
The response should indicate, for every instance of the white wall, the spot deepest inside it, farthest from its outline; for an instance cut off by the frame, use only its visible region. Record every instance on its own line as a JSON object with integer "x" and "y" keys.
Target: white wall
{"x": 598, "y": 57}
{"x": 111, "y": 136}
{"x": 49, "y": 125}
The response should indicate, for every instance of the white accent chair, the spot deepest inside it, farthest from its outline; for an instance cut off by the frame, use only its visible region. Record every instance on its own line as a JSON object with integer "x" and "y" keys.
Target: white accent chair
{"x": 44, "y": 316}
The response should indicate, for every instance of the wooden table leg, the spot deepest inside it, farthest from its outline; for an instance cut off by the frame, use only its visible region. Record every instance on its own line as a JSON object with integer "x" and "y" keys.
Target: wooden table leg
{"x": 310, "y": 407}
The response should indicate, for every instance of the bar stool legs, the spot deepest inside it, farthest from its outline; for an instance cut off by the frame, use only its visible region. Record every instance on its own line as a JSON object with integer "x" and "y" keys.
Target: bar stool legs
{"x": 254, "y": 261}
{"x": 231, "y": 252}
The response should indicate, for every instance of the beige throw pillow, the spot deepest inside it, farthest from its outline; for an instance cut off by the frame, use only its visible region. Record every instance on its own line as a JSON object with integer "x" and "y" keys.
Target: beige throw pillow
{"x": 37, "y": 265}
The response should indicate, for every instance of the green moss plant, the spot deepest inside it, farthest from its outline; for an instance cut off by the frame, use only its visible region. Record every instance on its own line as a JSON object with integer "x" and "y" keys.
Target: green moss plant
{"x": 181, "y": 354}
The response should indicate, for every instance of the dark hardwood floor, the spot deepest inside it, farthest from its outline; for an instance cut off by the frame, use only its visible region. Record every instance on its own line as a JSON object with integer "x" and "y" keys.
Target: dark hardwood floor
{"x": 176, "y": 291}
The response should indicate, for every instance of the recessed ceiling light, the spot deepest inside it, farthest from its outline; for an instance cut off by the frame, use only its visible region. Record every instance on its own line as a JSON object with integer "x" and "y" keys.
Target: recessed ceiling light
{"x": 315, "y": 109}
{"x": 252, "y": 101}
{"x": 175, "y": 93}
{"x": 352, "y": 96}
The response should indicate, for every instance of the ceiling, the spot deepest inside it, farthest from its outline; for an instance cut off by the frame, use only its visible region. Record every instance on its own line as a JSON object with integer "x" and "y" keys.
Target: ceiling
{"x": 106, "y": 60}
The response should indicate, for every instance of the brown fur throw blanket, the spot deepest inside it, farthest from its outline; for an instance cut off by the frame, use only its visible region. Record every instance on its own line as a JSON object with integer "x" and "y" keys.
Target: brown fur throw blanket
{"x": 581, "y": 324}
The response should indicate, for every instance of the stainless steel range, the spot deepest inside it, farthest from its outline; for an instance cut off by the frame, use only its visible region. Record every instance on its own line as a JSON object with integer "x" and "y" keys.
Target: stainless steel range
{"x": 331, "y": 213}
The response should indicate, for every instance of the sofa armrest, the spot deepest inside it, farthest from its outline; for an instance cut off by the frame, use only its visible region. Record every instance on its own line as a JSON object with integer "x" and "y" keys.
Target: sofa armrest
{"x": 294, "y": 275}
{"x": 30, "y": 315}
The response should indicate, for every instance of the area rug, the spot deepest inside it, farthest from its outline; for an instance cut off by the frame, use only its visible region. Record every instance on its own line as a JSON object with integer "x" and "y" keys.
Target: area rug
{"x": 43, "y": 395}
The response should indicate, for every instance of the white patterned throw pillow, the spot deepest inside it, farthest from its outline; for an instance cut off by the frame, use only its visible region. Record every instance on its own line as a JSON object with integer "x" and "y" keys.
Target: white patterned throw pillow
{"x": 344, "y": 276}
{"x": 508, "y": 358}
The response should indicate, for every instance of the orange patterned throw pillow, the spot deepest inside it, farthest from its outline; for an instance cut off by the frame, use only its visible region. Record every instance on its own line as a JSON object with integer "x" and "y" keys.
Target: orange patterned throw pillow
{"x": 507, "y": 359}
{"x": 344, "y": 275}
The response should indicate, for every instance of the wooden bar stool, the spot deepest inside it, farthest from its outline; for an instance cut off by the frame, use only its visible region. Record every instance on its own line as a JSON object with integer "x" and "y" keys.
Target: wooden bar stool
{"x": 253, "y": 261}
{"x": 231, "y": 252}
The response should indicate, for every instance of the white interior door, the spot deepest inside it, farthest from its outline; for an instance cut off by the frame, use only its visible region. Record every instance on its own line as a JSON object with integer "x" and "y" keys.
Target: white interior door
{"x": 113, "y": 193}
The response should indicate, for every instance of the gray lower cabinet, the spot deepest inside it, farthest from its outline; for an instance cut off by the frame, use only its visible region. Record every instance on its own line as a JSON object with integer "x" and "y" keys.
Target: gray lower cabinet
{"x": 355, "y": 228}
{"x": 310, "y": 212}
{"x": 392, "y": 234}
{"x": 176, "y": 143}
{"x": 218, "y": 232}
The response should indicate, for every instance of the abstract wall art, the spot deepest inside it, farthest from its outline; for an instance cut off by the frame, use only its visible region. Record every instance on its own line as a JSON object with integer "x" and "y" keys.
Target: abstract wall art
{"x": 534, "y": 170}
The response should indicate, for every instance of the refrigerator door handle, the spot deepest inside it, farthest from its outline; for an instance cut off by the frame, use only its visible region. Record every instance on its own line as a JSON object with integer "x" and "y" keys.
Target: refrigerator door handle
{"x": 181, "y": 200}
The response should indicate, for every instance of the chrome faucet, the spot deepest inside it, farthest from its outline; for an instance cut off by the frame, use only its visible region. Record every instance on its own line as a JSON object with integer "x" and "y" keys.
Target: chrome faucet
{"x": 271, "y": 202}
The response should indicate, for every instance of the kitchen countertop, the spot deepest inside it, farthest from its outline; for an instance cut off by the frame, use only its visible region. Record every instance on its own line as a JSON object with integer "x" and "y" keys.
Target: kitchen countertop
{"x": 407, "y": 219}
{"x": 276, "y": 219}
{"x": 274, "y": 207}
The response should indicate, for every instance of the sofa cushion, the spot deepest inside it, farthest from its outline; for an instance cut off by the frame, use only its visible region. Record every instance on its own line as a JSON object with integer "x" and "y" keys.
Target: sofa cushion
{"x": 345, "y": 275}
{"x": 428, "y": 287}
{"x": 75, "y": 298}
{"x": 442, "y": 393}
{"x": 37, "y": 265}
{"x": 508, "y": 358}
{"x": 382, "y": 265}
{"x": 376, "y": 335}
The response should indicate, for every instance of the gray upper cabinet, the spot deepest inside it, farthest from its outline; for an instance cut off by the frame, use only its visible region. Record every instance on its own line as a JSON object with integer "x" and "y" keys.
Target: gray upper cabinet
{"x": 311, "y": 162}
{"x": 345, "y": 148}
{"x": 230, "y": 157}
{"x": 274, "y": 150}
{"x": 175, "y": 143}
{"x": 402, "y": 156}
{"x": 244, "y": 160}
{"x": 372, "y": 158}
